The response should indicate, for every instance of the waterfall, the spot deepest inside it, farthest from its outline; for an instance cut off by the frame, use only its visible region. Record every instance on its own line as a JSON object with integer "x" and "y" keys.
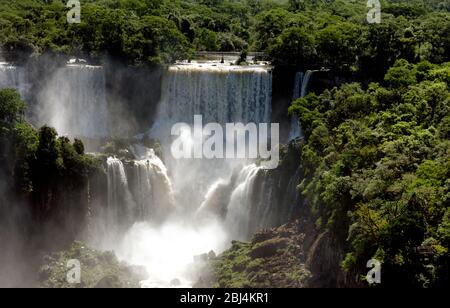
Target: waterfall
{"x": 238, "y": 217}
{"x": 165, "y": 246}
{"x": 296, "y": 132}
{"x": 151, "y": 187}
{"x": 220, "y": 93}
{"x": 74, "y": 101}
{"x": 305, "y": 83}
{"x": 139, "y": 190}
{"x": 300, "y": 90}
{"x": 143, "y": 188}
{"x": 298, "y": 85}
{"x": 254, "y": 198}
{"x": 121, "y": 207}
{"x": 12, "y": 77}
{"x": 216, "y": 201}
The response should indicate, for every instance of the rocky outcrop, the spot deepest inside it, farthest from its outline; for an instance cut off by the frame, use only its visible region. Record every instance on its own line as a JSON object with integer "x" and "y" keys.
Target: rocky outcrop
{"x": 273, "y": 259}
{"x": 98, "y": 270}
{"x": 283, "y": 257}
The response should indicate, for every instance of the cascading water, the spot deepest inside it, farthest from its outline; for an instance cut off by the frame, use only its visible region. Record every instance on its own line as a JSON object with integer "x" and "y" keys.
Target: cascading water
{"x": 139, "y": 190}
{"x": 300, "y": 90}
{"x": 166, "y": 229}
{"x": 238, "y": 217}
{"x": 151, "y": 187}
{"x": 12, "y": 77}
{"x": 150, "y": 215}
{"x": 305, "y": 83}
{"x": 252, "y": 200}
{"x": 121, "y": 206}
{"x": 163, "y": 243}
{"x": 74, "y": 101}
{"x": 219, "y": 93}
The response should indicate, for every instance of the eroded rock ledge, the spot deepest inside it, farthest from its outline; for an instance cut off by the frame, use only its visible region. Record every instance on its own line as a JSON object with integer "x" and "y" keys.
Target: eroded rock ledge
{"x": 273, "y": 259}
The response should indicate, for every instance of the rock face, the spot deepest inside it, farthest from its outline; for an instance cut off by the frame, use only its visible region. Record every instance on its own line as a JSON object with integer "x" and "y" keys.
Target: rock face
{"x": 323, "y": 261}
{"x": 283, "y": 257}
{"x": 98, "y": 270}
{"x": 273, "y": 259}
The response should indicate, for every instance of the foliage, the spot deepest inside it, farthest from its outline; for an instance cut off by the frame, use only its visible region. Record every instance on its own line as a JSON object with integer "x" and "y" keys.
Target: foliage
{"x": 331, "y": 33}
{"x": 378, "y": 161}
{"x": 98, "y": 269}
{"x": 274, "y": 258}
{"x": 38, "y": 163}
{"x": 336, "y": 34}
{"x": 376, "y": 156}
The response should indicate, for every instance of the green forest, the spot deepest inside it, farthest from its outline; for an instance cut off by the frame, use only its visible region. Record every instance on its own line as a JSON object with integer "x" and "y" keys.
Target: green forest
{"x": 378, "y": 167}
{"x": 295, "y": 32}
{"x": 376, "y": 154}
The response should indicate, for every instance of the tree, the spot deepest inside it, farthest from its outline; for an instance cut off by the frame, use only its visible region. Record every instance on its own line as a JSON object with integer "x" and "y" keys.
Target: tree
{"x": 294, "y": 46}
{"x": 47, "y": 153}
{"x": 11, "y": 106}
{"x": 269, "y": 25}
{"x": 206, "y": 40}
{"x": 377, "y": 169}
{"x": 338, "y": 45}
{"x": 297, "y": 5}
{"x": 79, "y": 146}
{"x": 401, "y": 74}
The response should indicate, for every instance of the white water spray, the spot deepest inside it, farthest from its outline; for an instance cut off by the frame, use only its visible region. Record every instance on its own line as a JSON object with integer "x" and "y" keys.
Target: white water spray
{"x": 74, "y": 102}
{"x": 12, "y": 76}
{"x": 240, "y": 206}
{"x": 167, "y": 252}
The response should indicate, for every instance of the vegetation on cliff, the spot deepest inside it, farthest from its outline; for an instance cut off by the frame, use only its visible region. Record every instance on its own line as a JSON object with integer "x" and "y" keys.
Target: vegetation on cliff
{"x": 375, "y": 185}
{"x": 273, "y": 259}
{"x": 98, "y": 270}
{"x": 376, "y": 158}
{"x": 377, "y": 170}
{"x": 44, "y": 177}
